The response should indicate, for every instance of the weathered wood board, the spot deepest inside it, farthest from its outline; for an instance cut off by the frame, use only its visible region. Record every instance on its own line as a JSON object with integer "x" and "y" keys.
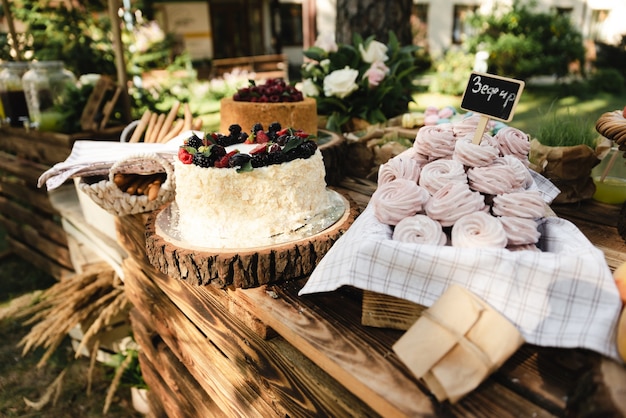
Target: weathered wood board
{"x": 33, "y": 225}
{"x": 240, "y": 371}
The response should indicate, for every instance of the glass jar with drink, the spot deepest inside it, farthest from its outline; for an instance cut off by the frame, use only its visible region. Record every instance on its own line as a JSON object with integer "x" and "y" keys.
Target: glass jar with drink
{"x": 45, "y": 85}
{"x": 12, "y": 93}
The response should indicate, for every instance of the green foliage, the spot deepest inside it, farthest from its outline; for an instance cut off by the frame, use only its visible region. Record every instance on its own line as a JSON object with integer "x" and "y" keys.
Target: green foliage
{"x": 522, "y": 42}
{"x": 374, "y": 102}
{"x": 609, "y": 80}
{"x": 566, "y": 129}
{"x": 127, "y": 362}
{"x": 452, "y": 73}
{"x": 203, "y": 96}
{"x": 78, "y": 35}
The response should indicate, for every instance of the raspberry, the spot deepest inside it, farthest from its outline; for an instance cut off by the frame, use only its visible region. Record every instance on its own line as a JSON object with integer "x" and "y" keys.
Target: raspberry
{"x": 185, "y": 156}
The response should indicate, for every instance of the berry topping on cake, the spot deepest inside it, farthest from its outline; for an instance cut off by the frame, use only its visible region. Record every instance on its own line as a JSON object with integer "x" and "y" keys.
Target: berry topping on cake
{"x": 185, "y": 156}
{"x": 202, "y": 160}
{"x": 274, "y": 90}
{"x": 261, "y": 137}
{"x": 274, "y": 146}
{"x": 224, "y": 161}
{"x": 194, "y": 141}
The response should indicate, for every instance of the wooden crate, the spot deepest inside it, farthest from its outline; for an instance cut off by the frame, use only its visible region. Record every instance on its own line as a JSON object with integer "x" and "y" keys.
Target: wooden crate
{"x": 33, "y": 225}
{"x": 384, "y": 311}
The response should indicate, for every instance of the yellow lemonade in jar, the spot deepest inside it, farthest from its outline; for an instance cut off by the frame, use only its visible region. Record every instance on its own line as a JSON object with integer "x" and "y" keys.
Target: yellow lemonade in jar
{"x": 612, "y": 168}
{"x": 612, "y": 190}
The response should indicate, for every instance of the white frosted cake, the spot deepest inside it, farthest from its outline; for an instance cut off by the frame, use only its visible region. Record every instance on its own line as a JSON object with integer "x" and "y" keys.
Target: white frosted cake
{"x": 240, "y": 195}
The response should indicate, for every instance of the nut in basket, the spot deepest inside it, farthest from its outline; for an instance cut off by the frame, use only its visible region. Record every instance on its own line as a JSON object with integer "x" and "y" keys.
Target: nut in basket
{"x": 136, "y": 184}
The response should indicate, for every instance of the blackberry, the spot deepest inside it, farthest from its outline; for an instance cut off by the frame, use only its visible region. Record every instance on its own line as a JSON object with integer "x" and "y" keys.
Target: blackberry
{"x": 257, "y": 127}
{"x": 194, "y": 141}
{"x": 274, "y": 127}
{"x": 275, "y": 158}
{"x": 224, "y": 140}
{"x": 307, "y": 148}
{"x": 239, "y": 160}
{"x": 203, "y": 160}
{"x": 242, "y": 137}
{"x": 292, "y": 154}
{"x": 260, "y": 160}
{"x": 234, "y": 130}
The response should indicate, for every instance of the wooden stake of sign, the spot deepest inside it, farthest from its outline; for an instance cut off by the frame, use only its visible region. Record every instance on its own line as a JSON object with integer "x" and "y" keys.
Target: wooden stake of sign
{"x": 491, "y": 96}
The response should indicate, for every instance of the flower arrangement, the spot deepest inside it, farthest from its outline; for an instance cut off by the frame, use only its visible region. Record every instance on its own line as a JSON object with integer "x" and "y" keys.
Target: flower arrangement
{"x": 366, "y": 80}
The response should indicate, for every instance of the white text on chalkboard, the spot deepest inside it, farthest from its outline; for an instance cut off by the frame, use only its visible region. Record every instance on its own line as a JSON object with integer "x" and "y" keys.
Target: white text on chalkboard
{"x": 485, "y": 89}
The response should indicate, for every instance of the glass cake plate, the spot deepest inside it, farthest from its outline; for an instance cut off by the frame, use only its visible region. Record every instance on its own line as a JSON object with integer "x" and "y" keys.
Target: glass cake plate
{"x": 166, "y": 225}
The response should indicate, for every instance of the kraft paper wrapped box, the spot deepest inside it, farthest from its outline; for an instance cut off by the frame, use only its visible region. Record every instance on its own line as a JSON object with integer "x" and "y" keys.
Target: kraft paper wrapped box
{"x": 457, "y": 343}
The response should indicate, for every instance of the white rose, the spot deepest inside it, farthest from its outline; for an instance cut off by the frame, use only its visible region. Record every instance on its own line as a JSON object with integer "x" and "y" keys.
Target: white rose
{"x": 376, "y": 51}
{"x": 326, "y": 41}
{"x": 309, "y": 88}
{"x": 341, "y": 83}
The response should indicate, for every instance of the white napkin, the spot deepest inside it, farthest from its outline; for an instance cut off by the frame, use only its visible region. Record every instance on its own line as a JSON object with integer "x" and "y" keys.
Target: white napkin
{"x": 91, "y": 158}
{"x": 564, "y": 296}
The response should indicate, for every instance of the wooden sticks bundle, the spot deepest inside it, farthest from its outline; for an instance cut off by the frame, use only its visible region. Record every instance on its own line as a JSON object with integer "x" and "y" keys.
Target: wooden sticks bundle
{"x": 160, "y": 128}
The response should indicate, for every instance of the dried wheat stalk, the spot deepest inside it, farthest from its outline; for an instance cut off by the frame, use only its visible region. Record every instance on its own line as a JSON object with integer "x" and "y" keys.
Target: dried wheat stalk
{"x": 52, "y": 393}
{"x": 119, "y": 304}
{"x": 95, "y": 296}
{"x": 116, "y": 382}
{"x": 17, "y": 305}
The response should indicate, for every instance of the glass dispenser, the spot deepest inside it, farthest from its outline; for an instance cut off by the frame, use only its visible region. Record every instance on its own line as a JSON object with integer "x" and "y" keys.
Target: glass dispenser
{"x": 12, "y": 93}
{"x": 45, "y": 86}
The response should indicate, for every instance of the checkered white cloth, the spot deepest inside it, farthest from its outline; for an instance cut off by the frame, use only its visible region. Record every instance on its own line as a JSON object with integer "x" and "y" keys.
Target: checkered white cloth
{"x": 564, "y": 296}
{"x": 92, "y": 158}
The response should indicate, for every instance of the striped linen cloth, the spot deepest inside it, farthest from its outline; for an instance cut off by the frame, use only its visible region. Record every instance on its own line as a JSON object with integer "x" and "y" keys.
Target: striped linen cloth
{"x": 93, "y": 158}
{"x": 564, "y": 296}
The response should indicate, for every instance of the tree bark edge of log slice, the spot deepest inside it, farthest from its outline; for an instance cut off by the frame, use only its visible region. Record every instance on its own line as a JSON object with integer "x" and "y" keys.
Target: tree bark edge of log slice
{"x": 249, "y": 267}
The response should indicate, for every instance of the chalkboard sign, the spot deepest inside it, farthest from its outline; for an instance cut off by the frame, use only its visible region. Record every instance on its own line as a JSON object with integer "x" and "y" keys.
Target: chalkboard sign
{"x": 492, "y": 95}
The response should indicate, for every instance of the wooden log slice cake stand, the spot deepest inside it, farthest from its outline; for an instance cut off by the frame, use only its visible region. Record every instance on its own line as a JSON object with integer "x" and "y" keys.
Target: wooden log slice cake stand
{"x": 248, "y": 267}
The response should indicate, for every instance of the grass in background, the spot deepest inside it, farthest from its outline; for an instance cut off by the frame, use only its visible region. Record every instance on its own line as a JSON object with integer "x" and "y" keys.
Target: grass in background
{"x": 535, "y": 103}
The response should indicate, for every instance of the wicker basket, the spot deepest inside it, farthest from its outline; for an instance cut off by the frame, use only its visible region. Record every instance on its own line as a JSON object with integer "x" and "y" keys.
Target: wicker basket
{"x": 106, "y": 194}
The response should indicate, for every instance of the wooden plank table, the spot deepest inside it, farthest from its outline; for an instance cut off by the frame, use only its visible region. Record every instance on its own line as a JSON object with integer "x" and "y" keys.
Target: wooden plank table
{"x": 34, "y": 231}
{"x": 267, "y": 352}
